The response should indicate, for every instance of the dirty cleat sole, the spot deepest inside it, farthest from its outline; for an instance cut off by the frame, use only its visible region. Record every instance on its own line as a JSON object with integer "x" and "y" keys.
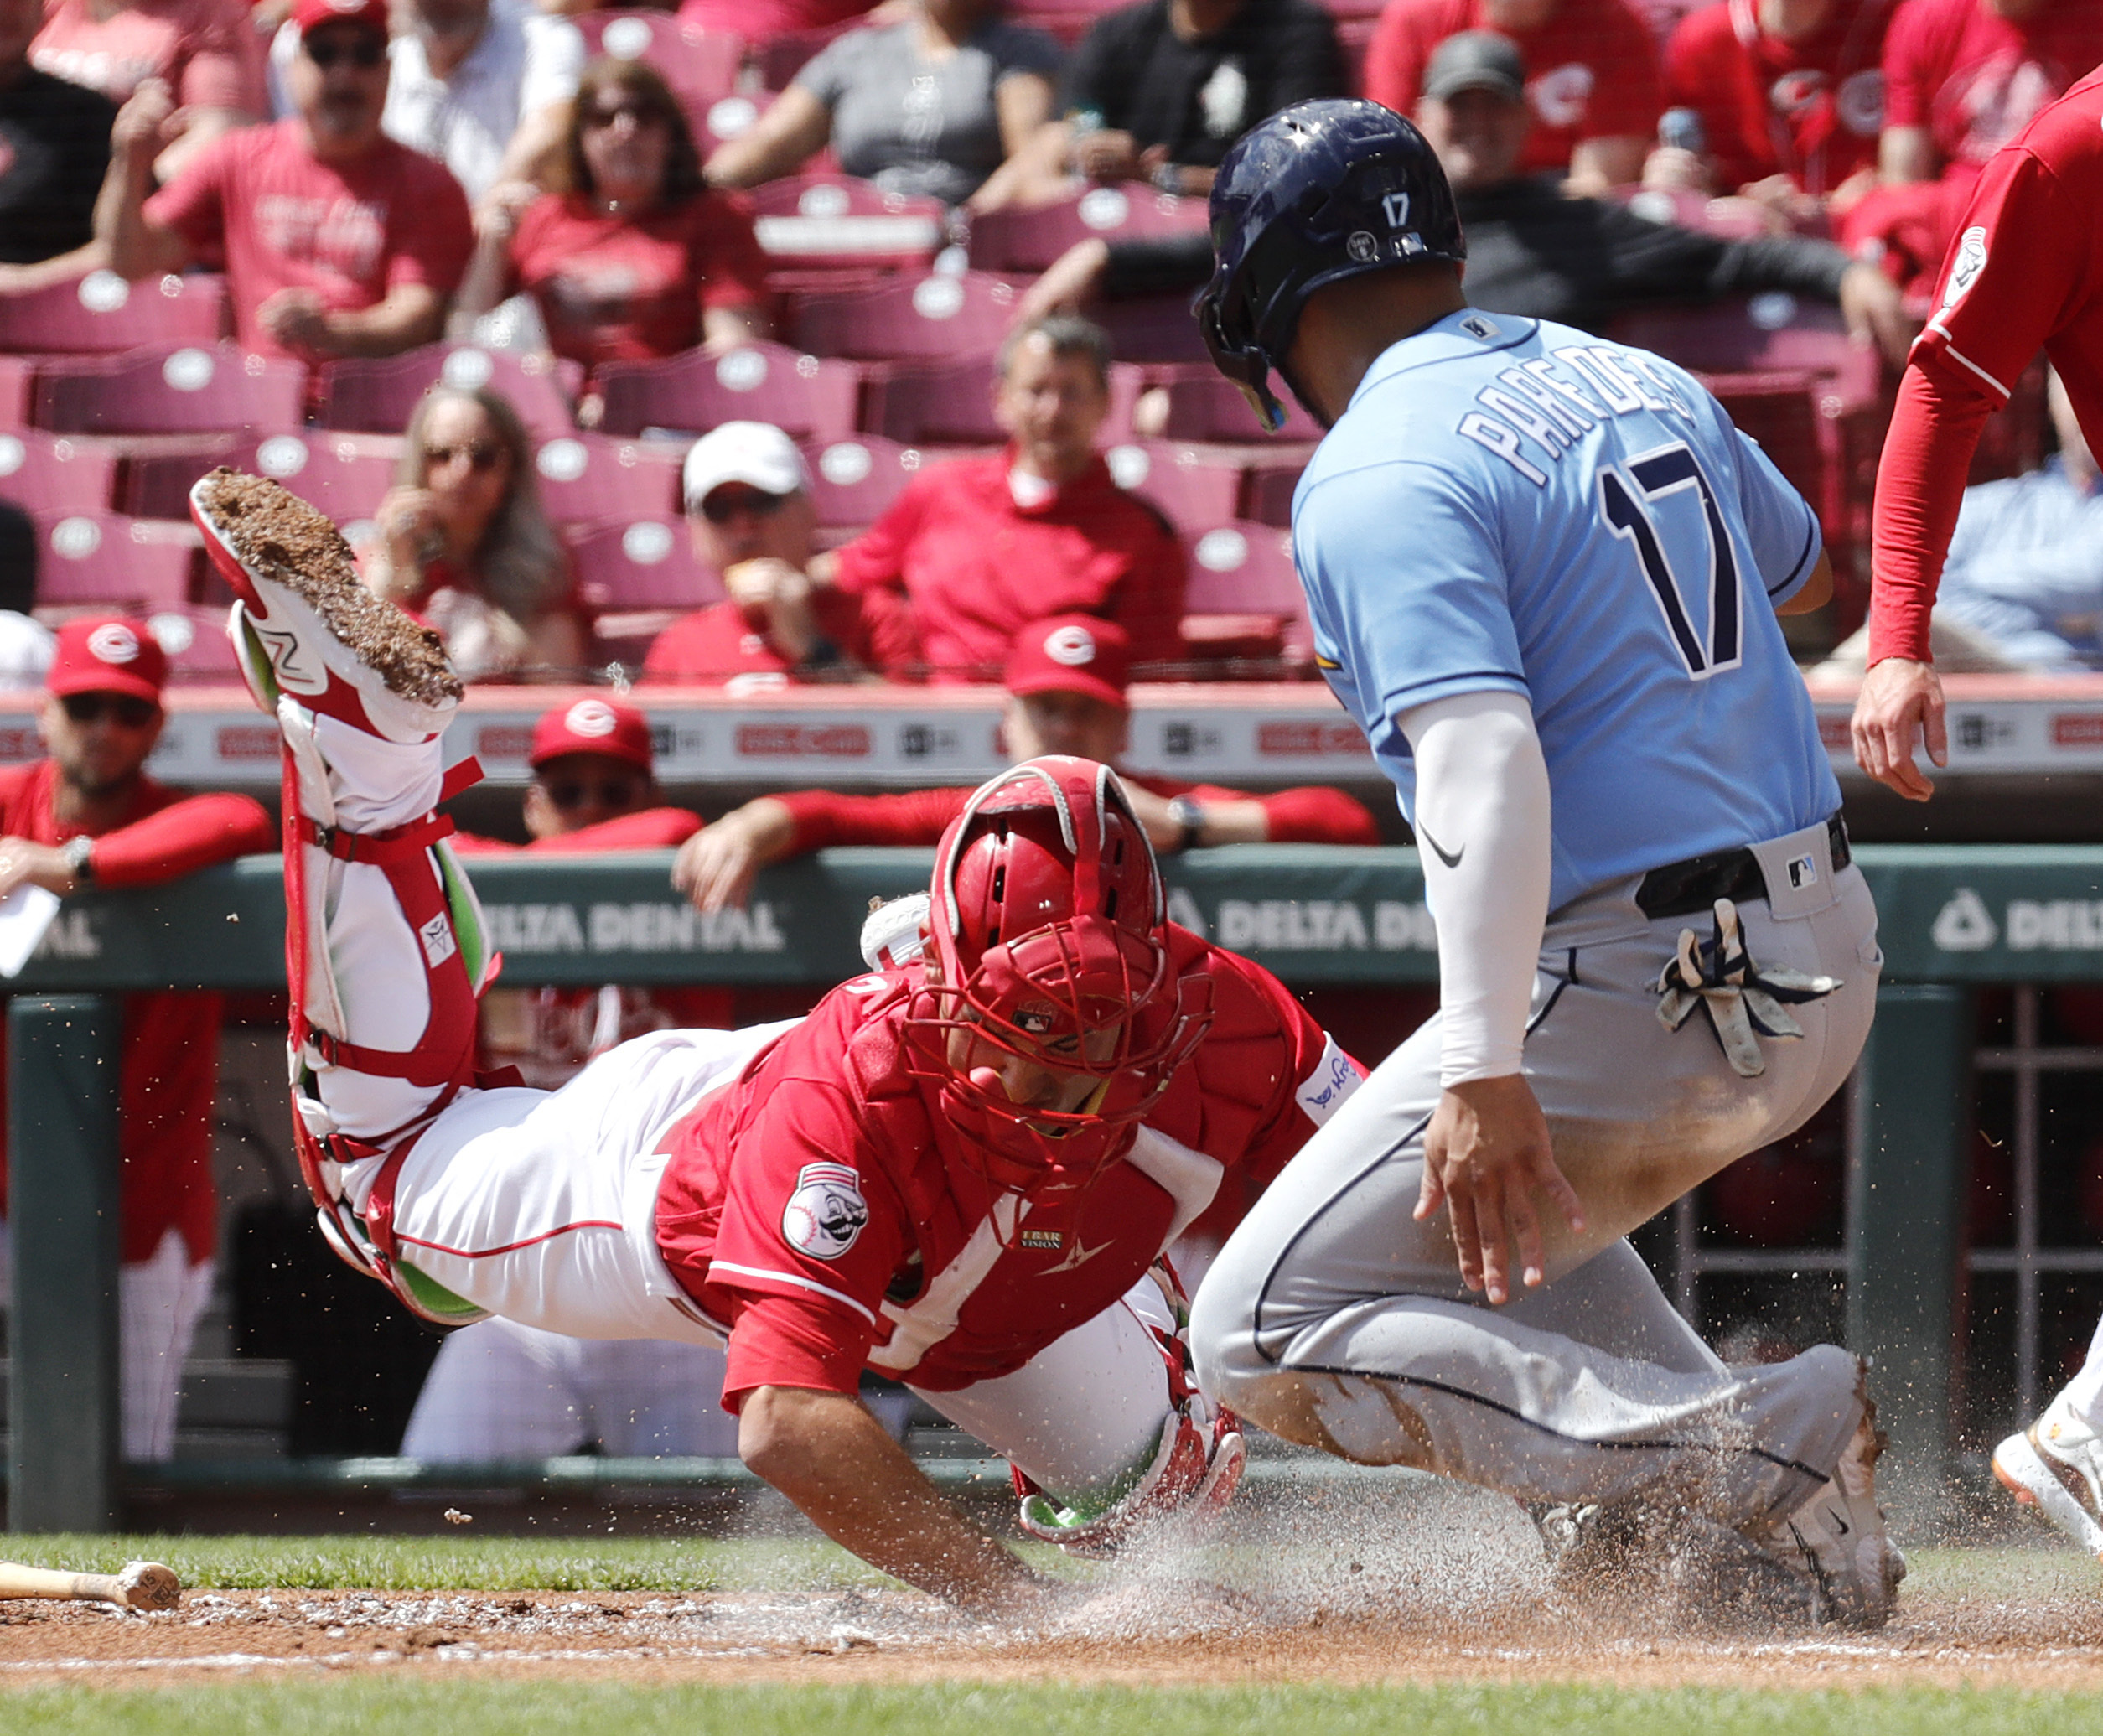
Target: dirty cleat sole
{"x": 331, "y": 644}
{"x": 2026, "y": 1472}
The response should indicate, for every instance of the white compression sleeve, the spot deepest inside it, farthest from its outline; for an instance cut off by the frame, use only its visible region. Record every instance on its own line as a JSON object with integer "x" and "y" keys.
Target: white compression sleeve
{"x": 1482, "y": 831}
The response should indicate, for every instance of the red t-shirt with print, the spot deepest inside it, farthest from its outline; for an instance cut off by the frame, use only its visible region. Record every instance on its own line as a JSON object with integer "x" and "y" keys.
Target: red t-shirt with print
{"x": 1591, "y": 70}
{"x": 718, "y": 645}
{"x": 823, "y": 1210}
{"x": 1974, "y": 79}
{"x": 206, "y": 50}
{"x": 623, "y": 289}
{"x": 167, "y": 1063}
{"x": 350, "y": 232}
{"x": 1809, "y": 109}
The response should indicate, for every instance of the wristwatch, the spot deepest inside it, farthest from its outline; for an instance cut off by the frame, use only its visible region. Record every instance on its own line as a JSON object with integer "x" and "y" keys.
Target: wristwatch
{"x": 80, "y": 857}
{"x": 1189, "y": 816}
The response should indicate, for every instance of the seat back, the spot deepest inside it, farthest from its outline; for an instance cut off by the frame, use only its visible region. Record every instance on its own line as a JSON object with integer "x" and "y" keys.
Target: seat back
{"x": 805, "y": 397}
{"x": 379, "y": 396}
{"x": 1770, "y": 333}
{"x": 192, "y": 390}
{"x": 586, "y": 477}
{"x": 1245, "y": 569}
{"x": 194, "y": 634}
{"x": 700, "y": 65}
{"x": 104, "y": 561}
{"x": 645, "y": 563}
{"x": 342, "y": 475}
{"x": 48, "y": 475}
{"x": 1204, "y": 405}
{"x": 852, "y": 481}
{"x": 839, "y": 222}
{"x": 1196, "y": 496}
{"x": 102, "y": 314}
{"x": 952, "y": 403}
{"x": 18, "y": 375}
{"x": 1027, "y": 239}
{"x": 923, "y": 319}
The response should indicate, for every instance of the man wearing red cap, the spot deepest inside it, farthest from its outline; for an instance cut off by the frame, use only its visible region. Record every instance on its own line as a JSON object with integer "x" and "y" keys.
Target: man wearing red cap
{"x": 1066, "y": 679}
{"x": 89, "y": 816}
{"x": 338, "y": 240}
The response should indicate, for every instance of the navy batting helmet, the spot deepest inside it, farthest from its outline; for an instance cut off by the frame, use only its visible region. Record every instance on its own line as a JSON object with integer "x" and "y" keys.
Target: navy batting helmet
{"x": 1320, "y": 191}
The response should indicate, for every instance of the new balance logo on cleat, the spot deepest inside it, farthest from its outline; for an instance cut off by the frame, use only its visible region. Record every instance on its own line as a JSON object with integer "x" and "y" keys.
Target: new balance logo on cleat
{"x": 294, "y": 674}
{"x": 438, "y": 944}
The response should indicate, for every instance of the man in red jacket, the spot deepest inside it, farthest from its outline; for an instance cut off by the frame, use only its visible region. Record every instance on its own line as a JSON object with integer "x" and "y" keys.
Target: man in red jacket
{"x": 1066, "y": 681}
{"x": 89, "y": 816}
{"x": 962, "y": 1169}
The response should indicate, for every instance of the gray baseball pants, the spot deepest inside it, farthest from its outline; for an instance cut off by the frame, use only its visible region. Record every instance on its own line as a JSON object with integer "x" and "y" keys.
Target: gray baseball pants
{"x": 1333, "y": 1318}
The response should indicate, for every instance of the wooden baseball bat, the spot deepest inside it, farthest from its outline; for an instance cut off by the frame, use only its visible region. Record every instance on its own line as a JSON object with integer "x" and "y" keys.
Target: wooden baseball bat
{"x": 143, "y": 1585}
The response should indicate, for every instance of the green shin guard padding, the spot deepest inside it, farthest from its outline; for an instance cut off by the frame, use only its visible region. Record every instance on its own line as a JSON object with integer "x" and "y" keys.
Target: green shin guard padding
{"x": 434, "y": 1298}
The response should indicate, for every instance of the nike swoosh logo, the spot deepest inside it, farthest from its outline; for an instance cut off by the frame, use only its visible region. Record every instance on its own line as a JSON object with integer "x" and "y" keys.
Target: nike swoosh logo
{"x": 1452, "y": 861}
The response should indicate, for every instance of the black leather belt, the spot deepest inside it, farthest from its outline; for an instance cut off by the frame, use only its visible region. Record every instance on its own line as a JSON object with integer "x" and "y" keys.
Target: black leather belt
{"x": 1686, "y": 888}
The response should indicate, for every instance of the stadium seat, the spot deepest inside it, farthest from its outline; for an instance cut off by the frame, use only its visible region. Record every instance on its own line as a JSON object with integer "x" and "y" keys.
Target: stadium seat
{"x": 103, "y": 561}
{"x": 779, "y": 58}
{"x": 838, "y": 221}
{"x": 1771, "y": 332}
{"x": 1267, "y": 488}
{"x": 194, "y": 634}
{"x": 378, "y": 397}
{"x": 1152, "y": 330}
{"x": 1196, "y": 496}
{"x": 952, "y": 403}
{"x": 585, "y": 477}
{"x": 1027, "y": 239}
{"x": 805, "y": 397}
{"x": 854, "y": 480}
{"x": 647, "y": 563}
{"x": 700, "y": 65}
{"x": 1204, "y": 405}
{"x": 192, "y": 390}
{"x": 342, "y": 476}
{"x": 1245, "y": 569}
{"x": 60, "y": 475}
{"x": 17, "y": 375}
{"x": 924, "y": 319}
{"x": 102, "y": 314}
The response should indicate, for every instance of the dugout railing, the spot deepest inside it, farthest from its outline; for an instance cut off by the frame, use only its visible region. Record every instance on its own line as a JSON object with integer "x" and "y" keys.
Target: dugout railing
{"x": 1955, "y": 918}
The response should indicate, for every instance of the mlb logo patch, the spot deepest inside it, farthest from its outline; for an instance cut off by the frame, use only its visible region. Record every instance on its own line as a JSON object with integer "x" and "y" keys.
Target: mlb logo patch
{"x": 1048, "y": 1240}
{"x": 1802, "y": 872}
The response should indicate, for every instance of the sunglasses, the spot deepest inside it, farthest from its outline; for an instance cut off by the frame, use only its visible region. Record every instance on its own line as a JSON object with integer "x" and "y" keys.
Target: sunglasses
{"x": 363, "y": 52}
{"x": 568, "y": 793}
{"x": 642, "y": 114}
{"x": 481, "y": 456}
{"x": 125, "y": 708}
{"x": 723, "y": 504}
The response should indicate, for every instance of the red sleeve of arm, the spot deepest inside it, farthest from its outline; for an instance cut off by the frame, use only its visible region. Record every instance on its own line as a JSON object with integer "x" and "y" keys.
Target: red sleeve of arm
{"x": 1906, "y": 98}
{"x": 1919, "y": 489}
{"x": 824, "y": 818}
{"x": 793, "y": 1341}
{"x": 1315, "y": 816}
{"x": 652, "y": 829}
{"x": 181, "y": 839}
{"x": 1148, "y": 603}
{"x": 878, "y": 556}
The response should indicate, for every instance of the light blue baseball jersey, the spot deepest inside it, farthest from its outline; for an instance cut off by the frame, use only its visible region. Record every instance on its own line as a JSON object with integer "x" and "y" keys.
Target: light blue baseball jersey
{"x": 1514, "y": 504}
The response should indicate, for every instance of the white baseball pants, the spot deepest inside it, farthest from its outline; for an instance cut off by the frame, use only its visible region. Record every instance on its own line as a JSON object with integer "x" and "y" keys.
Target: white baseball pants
{"x": 541, "y": 1206}
{"x": 1333, "y": 1319}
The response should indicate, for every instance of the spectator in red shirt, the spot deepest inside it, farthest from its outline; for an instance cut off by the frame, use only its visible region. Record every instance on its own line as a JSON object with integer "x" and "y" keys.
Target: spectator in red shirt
{"x": 1595, "y": 92}
{"x": 1791, "y": 94}
{"x": 632, "y": 258}
{"x": 89, "y": 816}
{"x": 465, "y": 546}
{"x": 206, "y": 52}
{"x": 337, "y": 240}
{"x": 748, "y": 511}
{"x": 1066, "y": 681}
{"x": 981, "y": 546}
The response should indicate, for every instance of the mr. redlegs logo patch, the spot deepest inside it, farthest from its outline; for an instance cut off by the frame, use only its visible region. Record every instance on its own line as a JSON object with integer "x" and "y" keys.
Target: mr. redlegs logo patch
{"x": 827, "y": 1211}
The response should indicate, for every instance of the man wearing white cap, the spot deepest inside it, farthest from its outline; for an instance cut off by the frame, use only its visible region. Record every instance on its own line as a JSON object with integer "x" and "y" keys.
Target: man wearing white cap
{"x": 748, "y": 507}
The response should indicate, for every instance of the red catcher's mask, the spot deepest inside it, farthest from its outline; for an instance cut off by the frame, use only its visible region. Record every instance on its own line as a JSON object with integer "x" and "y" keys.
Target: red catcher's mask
{"x": 1048, "y": 940}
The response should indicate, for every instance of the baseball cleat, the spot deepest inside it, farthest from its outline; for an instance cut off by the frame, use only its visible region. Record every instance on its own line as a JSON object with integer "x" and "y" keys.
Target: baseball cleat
{"x": 2056, "y": 1466}
{"x": 306, "y": 627}
{"x": 1835, "y": 1542}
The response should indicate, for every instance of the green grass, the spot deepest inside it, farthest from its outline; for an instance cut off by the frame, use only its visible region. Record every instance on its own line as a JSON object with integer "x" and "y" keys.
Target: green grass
{"x": 343, "y": 1707}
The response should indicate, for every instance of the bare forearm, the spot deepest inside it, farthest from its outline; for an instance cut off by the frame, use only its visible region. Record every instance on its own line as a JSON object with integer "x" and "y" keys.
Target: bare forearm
{"x": 134, "y": 247}
{"x": 400, "y": 322}
{"x": 60, "y": 268}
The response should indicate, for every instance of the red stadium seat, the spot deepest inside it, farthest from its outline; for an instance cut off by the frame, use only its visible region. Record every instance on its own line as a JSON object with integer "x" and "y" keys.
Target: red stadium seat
{"x": 952, "y": 403}
{"x": 1204, "y": 405}
{"x": 193, "y": 389}
{"x": 1027, "y": 239}
{"x": 647, "y": 563}
{"x": 1195, "y": 495}
{"x": 1152, "y": 330}
{"x": 700, "y": 65}
{"x": 836, "y": 220}
{"x": 58, "y": 475}
{"x": 1765, "y": 333}
{"x": 103, "y": 561}
{"x": 17, "y": 375}
{"x": 925, "y": 319}
{"x": 1266, "y": 492}
{"x": 379, "y": 396}
{"x": 584, "y": 478}
{"x": 1245, "y": 569}
{"x": 781, "y": 58}
{"x": 854, "y": 480}
{"x": 342, "y": 476}
{"x": 804, "y": 396}
{"x": 102, "y": 314}
{"x": 194, "y": 634}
